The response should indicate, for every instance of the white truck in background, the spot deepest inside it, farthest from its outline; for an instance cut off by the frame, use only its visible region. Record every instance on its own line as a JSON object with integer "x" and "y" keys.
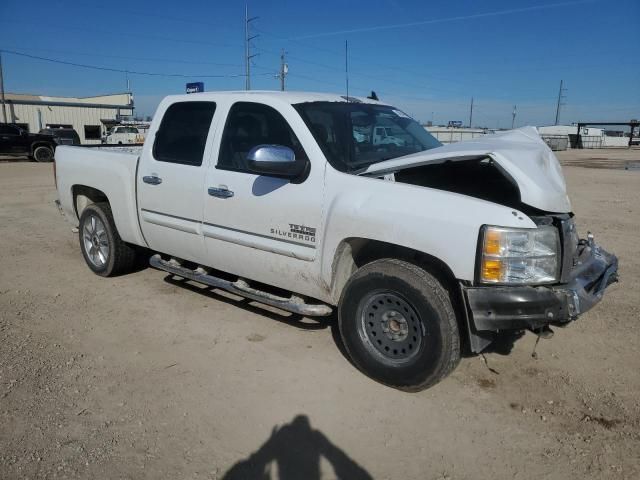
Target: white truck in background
{"x": 124, "y": 135}
{"x": 421, "y": 249}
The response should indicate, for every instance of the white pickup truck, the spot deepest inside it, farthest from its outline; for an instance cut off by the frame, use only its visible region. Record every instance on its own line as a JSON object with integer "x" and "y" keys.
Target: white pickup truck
{"x": 422, "y": 249}
{"x": 124, "y": 135}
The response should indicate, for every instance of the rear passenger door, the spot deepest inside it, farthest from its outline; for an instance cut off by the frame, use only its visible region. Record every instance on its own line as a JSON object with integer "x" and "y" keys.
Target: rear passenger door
{"x": 171, "y": 179}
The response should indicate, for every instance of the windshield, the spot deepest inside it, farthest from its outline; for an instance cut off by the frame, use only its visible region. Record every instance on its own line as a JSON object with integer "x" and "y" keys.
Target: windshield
{"x": 354, "y": 136}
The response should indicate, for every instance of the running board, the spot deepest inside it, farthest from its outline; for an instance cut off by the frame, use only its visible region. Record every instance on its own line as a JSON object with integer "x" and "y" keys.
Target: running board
{"x": 240, "y": 287}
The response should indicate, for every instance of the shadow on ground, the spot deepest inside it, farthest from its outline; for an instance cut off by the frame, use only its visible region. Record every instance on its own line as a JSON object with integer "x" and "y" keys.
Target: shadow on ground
{"x": 294, "y": 451}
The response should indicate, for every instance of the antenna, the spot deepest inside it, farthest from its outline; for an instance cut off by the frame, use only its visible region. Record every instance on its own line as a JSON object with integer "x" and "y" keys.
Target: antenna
{"x": 471, "y": 113}
{"x": 346, "y": 65}
{"x": 247, "y": 48}
{"x": 560, "y": 103}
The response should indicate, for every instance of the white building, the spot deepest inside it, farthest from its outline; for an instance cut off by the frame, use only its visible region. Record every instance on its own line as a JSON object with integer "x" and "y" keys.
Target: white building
{"x": 91, "y": 117}
{"x": 590, "y": 137}
{"x": 455, "y": 134}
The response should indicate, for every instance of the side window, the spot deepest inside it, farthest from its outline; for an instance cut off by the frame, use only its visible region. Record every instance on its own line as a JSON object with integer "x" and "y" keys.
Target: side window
{"x": 92, "y": 132}
{"x": 183, "y": 132}
{"x": 249, "y": 125}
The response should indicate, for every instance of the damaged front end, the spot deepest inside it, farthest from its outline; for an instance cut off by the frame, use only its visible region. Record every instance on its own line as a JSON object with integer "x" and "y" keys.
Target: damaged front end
{"x": 586, "y": 271}
{"x": 515, "y": 169}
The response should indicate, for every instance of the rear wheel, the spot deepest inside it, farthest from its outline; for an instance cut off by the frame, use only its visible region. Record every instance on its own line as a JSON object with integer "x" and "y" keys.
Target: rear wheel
{"x": 103, "y": 249}
{"x": 43, "y": 153}
{"x": 398, "y": 325}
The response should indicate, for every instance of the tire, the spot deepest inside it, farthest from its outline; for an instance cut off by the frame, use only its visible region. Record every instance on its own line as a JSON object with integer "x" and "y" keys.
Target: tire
{"x": 42, "y": 153}
{"x": 398, "y": 325}
{"x": 102, "y": 248}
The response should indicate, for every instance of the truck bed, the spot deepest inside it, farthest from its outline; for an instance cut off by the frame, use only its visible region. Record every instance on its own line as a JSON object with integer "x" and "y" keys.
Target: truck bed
{"x": 109, "y": 170}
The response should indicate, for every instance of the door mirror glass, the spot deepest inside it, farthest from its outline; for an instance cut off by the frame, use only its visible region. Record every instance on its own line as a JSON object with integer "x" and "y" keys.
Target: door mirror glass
{"x": 276, "y": 160}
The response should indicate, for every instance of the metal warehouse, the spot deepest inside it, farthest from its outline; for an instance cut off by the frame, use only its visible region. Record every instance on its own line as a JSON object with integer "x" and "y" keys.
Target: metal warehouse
{"x": 89, "y": 116}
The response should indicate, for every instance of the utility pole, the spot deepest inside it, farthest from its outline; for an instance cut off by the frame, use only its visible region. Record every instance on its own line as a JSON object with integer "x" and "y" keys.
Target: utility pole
{"x": 4, "y": 107}
{"x": 471, "y": 113}
{"x": 346, "y": 65}
{"x": 560, "y": 97}
{"x": 513, "y": 117}
{"x": 247, "y": 48}
{"x": 284, "y": 69}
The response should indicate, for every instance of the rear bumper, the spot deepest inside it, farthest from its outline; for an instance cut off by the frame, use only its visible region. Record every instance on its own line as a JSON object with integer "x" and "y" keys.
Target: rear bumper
{"x": 493, "y": 309}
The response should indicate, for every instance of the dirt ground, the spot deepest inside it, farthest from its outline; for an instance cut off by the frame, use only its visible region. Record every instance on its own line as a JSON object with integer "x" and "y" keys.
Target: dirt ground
{"x": 144, "y": 377}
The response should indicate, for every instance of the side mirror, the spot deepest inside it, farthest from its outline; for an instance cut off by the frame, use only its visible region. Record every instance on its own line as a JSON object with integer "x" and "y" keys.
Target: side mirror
{"x": 276, "y": 161}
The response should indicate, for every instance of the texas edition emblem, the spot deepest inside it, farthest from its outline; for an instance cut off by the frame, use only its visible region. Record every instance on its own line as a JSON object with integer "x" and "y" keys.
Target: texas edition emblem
{"x": 297, "y": 232}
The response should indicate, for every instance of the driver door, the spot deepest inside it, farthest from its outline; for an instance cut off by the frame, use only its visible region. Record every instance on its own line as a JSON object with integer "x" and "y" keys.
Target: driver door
{"x": 257, "y": 226}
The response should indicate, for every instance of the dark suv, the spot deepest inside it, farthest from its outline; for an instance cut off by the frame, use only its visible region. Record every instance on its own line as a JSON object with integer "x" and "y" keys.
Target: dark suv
{"x": 62, "y": 136}
{"x": 16, "y": 141}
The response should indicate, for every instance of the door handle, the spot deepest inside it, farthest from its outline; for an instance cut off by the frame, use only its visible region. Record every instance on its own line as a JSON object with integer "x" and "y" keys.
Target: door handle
{"x": 221, "y": 192}
{"x": 152, "y": 180}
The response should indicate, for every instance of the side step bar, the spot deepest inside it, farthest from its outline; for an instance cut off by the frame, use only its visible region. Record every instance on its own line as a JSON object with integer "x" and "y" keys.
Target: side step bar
{"x": 240, "y": 287}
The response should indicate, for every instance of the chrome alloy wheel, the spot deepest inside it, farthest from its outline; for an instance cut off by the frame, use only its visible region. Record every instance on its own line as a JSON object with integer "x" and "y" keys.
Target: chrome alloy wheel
{"x": 96, "y": 241}
{"x": 390, "y": 326}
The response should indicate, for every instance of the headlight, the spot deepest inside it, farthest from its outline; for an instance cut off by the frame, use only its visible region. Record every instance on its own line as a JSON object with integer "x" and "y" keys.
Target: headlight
{"x": 519, "y": 256}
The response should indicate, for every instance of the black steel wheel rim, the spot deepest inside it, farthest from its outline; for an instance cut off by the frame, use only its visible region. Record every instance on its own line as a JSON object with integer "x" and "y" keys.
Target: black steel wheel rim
{"x": 390, "y": 326}
{"x": 43, "y": 154}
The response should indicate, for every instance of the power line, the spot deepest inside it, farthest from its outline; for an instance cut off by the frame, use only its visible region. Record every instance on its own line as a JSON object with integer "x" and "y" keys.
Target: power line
{"x": 443, "y": 20}
{"x": 124, "y": 57}
{"x": 119, "y": 70}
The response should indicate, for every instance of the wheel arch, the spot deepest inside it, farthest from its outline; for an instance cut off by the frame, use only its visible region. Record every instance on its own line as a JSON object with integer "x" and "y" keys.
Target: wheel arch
{"x": 83, "y": 196}
{"x": 354, "y": 252}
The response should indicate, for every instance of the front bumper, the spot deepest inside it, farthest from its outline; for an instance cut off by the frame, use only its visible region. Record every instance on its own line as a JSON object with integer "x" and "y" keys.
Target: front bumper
{"x": 494, "y": 309}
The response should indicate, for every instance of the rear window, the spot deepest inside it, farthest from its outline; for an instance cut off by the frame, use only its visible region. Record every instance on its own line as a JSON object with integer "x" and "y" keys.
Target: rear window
{"x": 67, "y": 133}
{"x": 182, "y": 135}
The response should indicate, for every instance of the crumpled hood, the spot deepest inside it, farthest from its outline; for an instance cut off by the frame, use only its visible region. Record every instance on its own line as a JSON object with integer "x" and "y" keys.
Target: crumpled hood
{"x": 521, "y": 153}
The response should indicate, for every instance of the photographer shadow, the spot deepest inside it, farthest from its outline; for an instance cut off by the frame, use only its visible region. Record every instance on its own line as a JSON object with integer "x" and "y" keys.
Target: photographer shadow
{"x": 295, "y": 450}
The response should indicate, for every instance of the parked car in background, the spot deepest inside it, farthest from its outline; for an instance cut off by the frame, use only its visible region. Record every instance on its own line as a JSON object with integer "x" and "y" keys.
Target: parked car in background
{"x": 16, "y": 141}
{"x": 385, "y": 136}
{"x": 124, "y": 135}
{"x": 421, "y": 248}
{"x": 62, "y": 136}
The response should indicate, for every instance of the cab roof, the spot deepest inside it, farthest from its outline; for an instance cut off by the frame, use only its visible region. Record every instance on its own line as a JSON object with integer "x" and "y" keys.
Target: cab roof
{"x": 288, "y": 96}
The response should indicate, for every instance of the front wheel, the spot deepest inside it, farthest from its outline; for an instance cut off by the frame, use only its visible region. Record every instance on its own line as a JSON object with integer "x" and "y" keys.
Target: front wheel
{"x": 102, "y": 248}
{"x": 43, "y": 154}
{"x": 398, "y": 325}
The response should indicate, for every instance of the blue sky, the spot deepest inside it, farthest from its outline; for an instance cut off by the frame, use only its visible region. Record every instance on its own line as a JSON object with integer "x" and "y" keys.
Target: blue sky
{"x": 427, "y": 57}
